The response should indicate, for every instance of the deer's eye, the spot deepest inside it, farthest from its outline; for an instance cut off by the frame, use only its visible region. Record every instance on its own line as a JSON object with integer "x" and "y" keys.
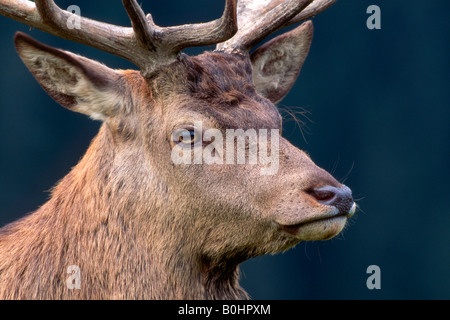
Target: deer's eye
{"x": 186, "y": 137}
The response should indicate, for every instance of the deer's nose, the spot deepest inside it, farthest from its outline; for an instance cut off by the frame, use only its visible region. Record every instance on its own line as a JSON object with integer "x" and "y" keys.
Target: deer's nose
{"x": 339, "y": 197}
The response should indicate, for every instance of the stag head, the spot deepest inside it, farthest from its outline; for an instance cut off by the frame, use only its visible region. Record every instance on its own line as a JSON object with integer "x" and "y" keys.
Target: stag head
{"x": 213, "y": 215}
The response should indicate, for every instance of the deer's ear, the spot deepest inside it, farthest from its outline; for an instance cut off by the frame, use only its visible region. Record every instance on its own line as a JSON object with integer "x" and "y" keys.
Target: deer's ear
{"x": 75, "y": 82}
{"x": 277, "y": 63}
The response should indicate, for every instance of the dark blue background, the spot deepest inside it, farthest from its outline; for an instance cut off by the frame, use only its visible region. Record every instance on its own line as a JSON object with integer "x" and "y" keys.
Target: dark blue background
{"x": 379, "y": 103}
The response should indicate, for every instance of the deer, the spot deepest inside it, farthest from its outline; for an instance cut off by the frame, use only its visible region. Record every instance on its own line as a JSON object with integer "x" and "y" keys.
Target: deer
{"x": 134, "y": 223}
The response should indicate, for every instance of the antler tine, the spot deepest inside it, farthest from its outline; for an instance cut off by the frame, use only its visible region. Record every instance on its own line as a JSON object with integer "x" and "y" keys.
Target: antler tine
{"x": 257, "y": 19}
{"x": 200, "y": 34}
{"x": 262, "y": 21}
{"x": 50, "y": 13}
{"x": 141, "y": 27}
{"x": 316, "y": 7}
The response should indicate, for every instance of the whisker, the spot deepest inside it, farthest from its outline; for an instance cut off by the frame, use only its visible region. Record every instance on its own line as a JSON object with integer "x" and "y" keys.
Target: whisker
{"x": 294, "y": 114}
{"x": 348, "y": 173}
{"x": 335, "y": 165}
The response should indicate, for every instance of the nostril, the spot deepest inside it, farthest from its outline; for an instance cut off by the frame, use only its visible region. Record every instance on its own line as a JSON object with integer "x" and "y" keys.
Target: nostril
{"x": 322, "y": 195}
{"x": 341, "y": 198}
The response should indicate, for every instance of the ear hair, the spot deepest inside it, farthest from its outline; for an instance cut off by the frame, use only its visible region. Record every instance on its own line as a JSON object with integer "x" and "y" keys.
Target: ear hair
{"x": 277, "y": 63}
{"x": 75, "y": 82}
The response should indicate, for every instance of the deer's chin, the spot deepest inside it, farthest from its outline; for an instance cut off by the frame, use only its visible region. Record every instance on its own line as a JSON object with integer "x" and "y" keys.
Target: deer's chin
{"x": 318, "y": 229}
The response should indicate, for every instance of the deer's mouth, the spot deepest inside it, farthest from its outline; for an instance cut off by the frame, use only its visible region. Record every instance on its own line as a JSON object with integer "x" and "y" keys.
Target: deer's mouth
{"x": 323, "y": 227}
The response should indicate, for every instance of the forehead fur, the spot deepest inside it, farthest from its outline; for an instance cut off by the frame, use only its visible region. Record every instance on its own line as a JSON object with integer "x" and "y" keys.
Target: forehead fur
{"x": 225, "y": 82}
{"x": 218, "y": 85}
{"x": 223, "y": 78}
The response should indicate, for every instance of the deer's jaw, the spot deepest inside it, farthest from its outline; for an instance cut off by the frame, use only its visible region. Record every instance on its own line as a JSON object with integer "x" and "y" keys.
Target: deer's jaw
{"x": 320, "y": 228}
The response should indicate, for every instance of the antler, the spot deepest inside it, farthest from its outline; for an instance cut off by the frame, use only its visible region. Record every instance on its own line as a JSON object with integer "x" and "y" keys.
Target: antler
{"x": 145, "y": 44}
{"x": 258, "y": 19}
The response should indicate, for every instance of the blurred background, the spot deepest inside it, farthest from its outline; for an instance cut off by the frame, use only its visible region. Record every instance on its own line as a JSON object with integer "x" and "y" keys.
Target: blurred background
{"x": 378, "y": 103}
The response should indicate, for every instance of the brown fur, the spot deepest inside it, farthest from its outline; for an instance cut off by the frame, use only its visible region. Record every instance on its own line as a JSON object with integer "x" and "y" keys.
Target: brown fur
{"x": 140, "y": 227}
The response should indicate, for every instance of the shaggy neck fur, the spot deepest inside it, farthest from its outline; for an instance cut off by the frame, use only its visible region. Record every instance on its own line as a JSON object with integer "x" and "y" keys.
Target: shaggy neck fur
{"x": 122, "y": 243}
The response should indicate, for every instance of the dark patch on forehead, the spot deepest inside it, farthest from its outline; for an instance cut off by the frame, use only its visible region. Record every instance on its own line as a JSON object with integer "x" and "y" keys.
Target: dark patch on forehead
{"x": 224, "y": 83}
{"x": 220, "y": 78}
